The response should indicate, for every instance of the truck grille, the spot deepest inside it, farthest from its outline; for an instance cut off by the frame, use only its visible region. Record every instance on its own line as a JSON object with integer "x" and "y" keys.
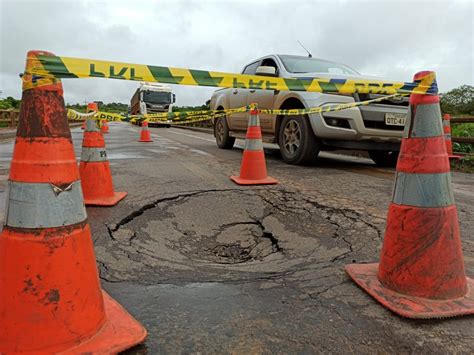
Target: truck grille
{"x": 403, "y": 101}
{"x": 374, "y": 114}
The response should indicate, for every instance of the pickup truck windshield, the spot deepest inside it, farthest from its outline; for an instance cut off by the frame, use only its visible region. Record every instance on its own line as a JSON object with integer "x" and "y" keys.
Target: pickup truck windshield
{"x": 154, "y": 97}
{"x": 313, "y": 65}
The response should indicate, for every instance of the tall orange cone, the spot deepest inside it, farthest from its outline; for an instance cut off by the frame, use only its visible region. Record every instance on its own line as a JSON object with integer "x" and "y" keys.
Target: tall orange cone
{"x": 253, "y": 170}
{"x": 50, "y": 296}
{"x": 96, "y": 178}
{"x": 447, "y": 136}
{"x": 91, "y": 107}
{"x": 145, "y": 135}
{"x": 421, "y": 271}
{"x": 104, "y": 128}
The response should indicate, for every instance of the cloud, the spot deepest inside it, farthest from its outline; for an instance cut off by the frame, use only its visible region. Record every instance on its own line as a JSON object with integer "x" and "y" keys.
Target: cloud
{"x": 391, "y": 39}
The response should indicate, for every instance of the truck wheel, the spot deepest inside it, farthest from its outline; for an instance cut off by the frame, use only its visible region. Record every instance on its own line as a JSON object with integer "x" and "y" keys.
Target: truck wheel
{"x": 298, "y": 145}
{"x": 221, "y": 132}
{"x": 384, "y": 157}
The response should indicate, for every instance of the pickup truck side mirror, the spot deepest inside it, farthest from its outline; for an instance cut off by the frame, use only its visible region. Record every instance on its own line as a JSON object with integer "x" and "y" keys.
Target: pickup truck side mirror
{"x": 173, "y": 98}
{"x": 266, "y": 71}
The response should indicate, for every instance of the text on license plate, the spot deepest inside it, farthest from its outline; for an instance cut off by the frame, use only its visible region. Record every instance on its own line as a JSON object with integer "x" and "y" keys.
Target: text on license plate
{"x": 395, "y": 119}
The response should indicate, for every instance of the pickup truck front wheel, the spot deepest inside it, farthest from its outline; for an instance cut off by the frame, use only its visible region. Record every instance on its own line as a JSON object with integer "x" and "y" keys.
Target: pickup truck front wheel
{"x": 221, "y": 132}
{"x": 298, "y": 145}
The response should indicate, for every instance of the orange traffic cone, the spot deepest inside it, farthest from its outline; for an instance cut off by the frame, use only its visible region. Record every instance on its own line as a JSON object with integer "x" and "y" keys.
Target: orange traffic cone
{"x": 253, "y": 170}
{"x": 447, "y": 136}
{"x": 50, "y": 296}
{"x": 96, "y": 178}
{"x": 105, "y": 126}
{"x": 91, "y": 107}
{"x": 145, "y": 135}
{"x": 421, "y": 271}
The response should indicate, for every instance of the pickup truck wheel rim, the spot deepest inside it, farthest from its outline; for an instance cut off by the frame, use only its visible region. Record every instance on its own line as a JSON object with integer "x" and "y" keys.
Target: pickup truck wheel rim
{"x": 292, "y": 136}
{"x": 220, "y": 130}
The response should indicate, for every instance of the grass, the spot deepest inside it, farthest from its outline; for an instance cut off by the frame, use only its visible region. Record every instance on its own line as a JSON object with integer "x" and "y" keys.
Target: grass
{"x": 463, "y": 130}
{"x": 465, "y": 165}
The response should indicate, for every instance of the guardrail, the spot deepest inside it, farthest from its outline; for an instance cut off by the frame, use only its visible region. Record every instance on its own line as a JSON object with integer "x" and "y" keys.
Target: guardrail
{"x": 9, "y": 118}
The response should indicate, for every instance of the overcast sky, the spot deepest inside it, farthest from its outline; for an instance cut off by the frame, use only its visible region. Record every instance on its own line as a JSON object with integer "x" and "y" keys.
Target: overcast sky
{"x": 392, "y": 38}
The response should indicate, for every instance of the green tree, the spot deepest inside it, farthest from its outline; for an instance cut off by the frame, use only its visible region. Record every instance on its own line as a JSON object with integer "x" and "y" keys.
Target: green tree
{"x": 458, "y": 101}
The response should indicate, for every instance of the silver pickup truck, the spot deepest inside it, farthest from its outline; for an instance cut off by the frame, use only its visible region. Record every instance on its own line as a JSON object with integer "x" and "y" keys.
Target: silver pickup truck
{"x": 376, "y": 128}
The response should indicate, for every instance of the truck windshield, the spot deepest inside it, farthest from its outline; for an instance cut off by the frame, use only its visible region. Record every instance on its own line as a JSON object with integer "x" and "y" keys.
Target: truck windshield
{"x": 154, "y": 97}
{"x": 313, "y": 65}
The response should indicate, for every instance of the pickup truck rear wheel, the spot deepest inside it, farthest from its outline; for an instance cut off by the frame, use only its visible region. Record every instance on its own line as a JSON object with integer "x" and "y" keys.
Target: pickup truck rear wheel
{"x": 384, "y": 157}
{"x": 221, "y": 132}
{"x": 298, "y": 145}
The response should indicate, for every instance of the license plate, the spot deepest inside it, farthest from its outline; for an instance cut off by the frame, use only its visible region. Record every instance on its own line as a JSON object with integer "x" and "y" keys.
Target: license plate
{"x": 395, "y": 119}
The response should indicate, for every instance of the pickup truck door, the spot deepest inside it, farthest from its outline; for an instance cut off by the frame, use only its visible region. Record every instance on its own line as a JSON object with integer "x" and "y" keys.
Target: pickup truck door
{"x": 238, "y": 98}
{"x": 265, "y": 100}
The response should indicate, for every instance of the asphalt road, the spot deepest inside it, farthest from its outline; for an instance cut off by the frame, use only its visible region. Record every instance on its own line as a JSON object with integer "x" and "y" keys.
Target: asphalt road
{"x": 208, "y": 266}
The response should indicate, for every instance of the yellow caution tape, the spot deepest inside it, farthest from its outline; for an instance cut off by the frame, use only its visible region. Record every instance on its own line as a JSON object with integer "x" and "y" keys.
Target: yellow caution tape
{"x": 206, "y": 115}
{"x": 74, "y": 115}
{"x": 47, "y": 66}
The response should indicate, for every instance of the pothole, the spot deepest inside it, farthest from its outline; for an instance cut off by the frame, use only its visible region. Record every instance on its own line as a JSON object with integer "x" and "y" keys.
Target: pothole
{"x": 224, "y": 235}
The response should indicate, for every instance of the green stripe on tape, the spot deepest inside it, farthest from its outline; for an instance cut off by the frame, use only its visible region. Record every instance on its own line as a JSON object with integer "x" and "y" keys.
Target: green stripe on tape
{"x": 163, "y": 75}
{"x": 203, "y": 78}
{"x": 55, "y": 65}
{"x": 297, "y": 85}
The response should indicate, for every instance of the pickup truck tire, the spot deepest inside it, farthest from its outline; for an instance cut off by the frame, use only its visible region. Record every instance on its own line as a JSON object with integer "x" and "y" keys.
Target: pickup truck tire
{"x": 221, "y": 132}
{"x": 384, "y": 158}
{"x": 298, "y": 145}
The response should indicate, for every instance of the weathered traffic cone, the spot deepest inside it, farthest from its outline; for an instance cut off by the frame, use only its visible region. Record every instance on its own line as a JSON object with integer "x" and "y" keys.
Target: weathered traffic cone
{"x": 50, "y": 296}
{"x": 91, "y": 107}
{"x": 253, "y": 170}
{"x": 447, "y": 136}
{"x": 421, "y": 271}
{"x": 145, "y": 135}
{"x": 96, "y": 178}
{"x": 104, "y": 128}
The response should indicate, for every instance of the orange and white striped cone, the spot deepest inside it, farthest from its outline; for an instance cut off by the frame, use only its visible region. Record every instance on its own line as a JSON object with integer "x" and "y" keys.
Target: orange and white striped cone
{"x": 96, "y": 178}
{"x": 145, "y": 136}
{"x": 91, "y": 107}
{"x": 50, "y": 295}
{"x": 104, "y": 128}
{"x": 447, "y": 136}
{"x": 253, "y": 170}
{"x": 421, "y": 271}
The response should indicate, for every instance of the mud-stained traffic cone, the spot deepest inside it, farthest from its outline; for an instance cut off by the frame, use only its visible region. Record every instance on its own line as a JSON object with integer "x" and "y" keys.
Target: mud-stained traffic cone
{"x": 145, "y": 135}
{"x": 104, "y": 128}
{"x": 421, "y": 271}
{"x": 253, "y": 170}
{"x": 50, "y": 296}
{"x": 447, "y": 136}
{"x": 96, "y": 178}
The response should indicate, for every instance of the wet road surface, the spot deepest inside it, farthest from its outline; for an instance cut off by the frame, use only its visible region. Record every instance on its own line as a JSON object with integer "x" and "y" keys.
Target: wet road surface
{"x": 209, "y": 266}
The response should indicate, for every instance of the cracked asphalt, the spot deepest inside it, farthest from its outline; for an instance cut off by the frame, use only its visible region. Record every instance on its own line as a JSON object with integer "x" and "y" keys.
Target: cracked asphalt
{"x": 211, "y": 267}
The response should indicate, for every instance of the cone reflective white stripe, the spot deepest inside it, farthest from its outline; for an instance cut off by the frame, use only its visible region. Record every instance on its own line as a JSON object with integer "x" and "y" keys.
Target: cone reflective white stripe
{"x": 418, "y": 128}
{"x": 253, "y": 144}
{"x": 423, "y": 190}
{"x": 93, "y": 154}
{"x": 43, "y": 205}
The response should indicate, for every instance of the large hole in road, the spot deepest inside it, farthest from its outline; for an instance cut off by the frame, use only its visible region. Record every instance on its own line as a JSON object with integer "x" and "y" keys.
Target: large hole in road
{"x": 219, "y": 235}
